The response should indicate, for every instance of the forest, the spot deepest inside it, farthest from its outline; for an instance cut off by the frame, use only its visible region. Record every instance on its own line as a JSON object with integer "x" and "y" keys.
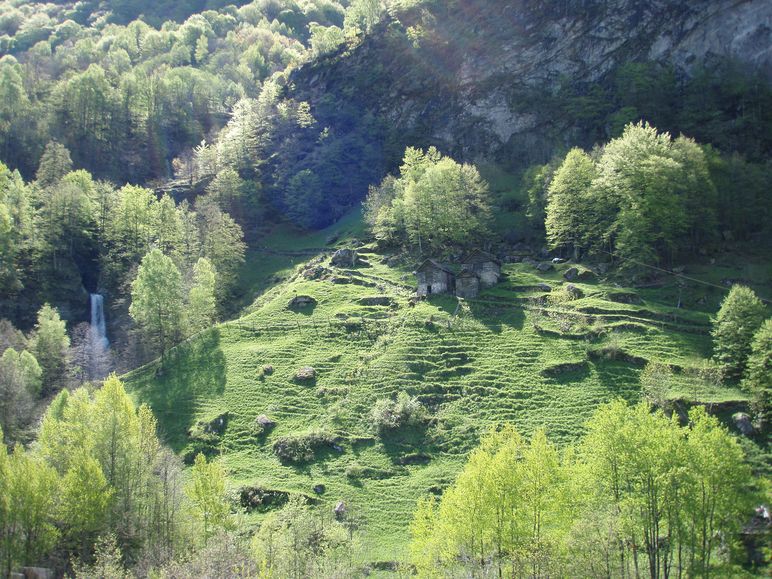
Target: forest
{"x": 213, "y": 358}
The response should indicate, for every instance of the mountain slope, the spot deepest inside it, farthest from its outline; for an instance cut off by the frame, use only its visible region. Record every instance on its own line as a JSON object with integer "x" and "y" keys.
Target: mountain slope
{"x": 513, "y": 355}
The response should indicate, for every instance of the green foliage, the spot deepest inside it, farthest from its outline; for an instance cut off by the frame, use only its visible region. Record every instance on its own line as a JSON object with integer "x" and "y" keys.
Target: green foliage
{"x": 27, "y": 508}
{"x": 202, "y": 303}
{"x": 85, "y": 498}
{"x": 20, "y": 386}
{"x": 49, "y": 344}
{"x": 301, "y": 448}
{"x": 298, "y": 542}
{"x": 54, "y": 164}
{"x": 645, "y": 197}
{"x": 435, "y": 202}
{"x": 639, "y": 488}
{"x": 157, "y": 300}
{"x": 206, "y": 491}
{"x": 405, "y": 411}
{"x": 656, "y": 383}
{"x": 741, "y": 314}
{"x": 758, "y": 375}
{"x": 222, "y": 244}
{"x": 112, "y": 473}
{"x": 570, "y": 208}
{"x": 503, "y": 511}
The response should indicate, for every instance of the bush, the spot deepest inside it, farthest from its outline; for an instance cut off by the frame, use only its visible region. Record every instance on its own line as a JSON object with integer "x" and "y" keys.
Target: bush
{"x": 299, "y": 448}
{"x": 741, "y": 314}
{"x": 390, "y": 414}
{"x": 758, "y": 377}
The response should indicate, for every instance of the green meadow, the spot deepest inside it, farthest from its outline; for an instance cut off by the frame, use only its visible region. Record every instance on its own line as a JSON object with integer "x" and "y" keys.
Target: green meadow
{"x": 516, "y": 354}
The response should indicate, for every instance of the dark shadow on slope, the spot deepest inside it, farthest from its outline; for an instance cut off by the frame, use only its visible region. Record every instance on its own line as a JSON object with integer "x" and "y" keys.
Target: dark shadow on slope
{"x": 192, "y": 371}
{"x": 618, "y": 379}
{"x": 495, "y": 317}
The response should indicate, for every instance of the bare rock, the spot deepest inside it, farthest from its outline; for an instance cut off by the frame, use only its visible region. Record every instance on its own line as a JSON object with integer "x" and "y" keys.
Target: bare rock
{"x": 305, "y": 373}
{"x": 344, "y": 258}
{"x": 574, "y": 291}
{"x": 545, "y": 266}
{"x": 571, "y": 274}
{"x": 340, "y": 510}
{"x": 743, "y": 423}
{"x": 301, "y": 302}
{"x": 264, "y": 422}
{"x": 267, "y": 369}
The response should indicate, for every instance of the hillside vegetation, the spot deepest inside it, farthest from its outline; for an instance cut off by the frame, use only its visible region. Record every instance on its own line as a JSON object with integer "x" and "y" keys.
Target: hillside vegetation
{"x": 517, "y": 354}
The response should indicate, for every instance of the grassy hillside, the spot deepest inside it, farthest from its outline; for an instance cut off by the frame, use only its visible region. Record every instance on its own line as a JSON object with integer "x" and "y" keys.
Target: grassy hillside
{"x": 514, "y": 354}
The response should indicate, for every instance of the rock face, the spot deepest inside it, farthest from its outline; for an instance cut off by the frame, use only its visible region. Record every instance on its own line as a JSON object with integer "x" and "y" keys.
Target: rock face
{"x": 466, "y": 88}
{"x": 743, "y": 423}
{"x": 571, "y": 274}
{"x": 344, "y": 258}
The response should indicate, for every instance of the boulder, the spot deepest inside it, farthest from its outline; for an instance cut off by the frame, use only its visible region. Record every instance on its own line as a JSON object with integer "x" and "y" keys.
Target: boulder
{"x": 623, "y": 297}
{"x": 210, "y": 429}
{"x": 305, "y": 373}
{"x": 743, "y": 423}
{"x": 264, "y": 422}
{"x": 571, "y": 274}
{"x": 376, "y": 301}
{"x": 586, "y": 275}
{"x": 344, "y": 258}
{"x": 339, "y": 510}
{"x": 543, "y": 287}
{"x": 558, "y": 260}
{"x": 267, "y": 369}
{"x": 574, "y": 291}
{"x": 301, "y": 302}
{"x": 545, "y": 266}
{"x": 319, "y": 489}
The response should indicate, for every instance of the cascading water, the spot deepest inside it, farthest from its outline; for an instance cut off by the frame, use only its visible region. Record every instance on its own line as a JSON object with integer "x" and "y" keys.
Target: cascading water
{"x": 98, "y": 326}
{"x": 99, "y": 361}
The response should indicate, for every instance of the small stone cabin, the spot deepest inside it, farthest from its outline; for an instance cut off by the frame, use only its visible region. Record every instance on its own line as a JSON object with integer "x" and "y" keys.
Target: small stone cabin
{"x": 434, "y": 278}
{"x": 484, "y": 265}
{"x": 467, "y": 284}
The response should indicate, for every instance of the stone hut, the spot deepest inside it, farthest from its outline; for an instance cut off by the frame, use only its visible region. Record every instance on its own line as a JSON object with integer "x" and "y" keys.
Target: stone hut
{"x": 484, "y": 265}
{"x": 467, "y": 284}
{"x": 434, "y": 278}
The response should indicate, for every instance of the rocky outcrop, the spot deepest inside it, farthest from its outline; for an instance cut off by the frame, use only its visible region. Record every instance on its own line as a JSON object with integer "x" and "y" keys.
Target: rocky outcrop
{"x": 478, "y": 81}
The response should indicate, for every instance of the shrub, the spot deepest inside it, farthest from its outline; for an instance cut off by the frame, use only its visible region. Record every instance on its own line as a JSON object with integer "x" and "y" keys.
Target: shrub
{"x": 298, "y": 448}
{"x": 741, "y": 314}
{"x": 390, "y": 414}
{"x": 758, "y": 377}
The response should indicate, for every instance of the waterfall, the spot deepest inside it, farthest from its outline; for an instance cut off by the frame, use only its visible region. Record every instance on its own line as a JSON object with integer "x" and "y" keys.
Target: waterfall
{"x": 98, "y": 326}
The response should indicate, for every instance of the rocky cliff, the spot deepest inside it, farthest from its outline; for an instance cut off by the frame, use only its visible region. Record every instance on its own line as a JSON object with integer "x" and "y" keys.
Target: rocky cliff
{"x": 514, "y": 80}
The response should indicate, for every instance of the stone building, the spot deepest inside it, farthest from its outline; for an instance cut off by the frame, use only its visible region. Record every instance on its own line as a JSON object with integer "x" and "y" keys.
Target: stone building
{"x": 434, "y": 278}
{"x": 484, "y": 265}
{"x": 467, "y": 284}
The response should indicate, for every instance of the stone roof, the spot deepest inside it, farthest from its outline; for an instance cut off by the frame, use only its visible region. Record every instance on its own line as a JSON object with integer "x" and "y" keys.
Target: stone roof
{"x": 432, "y": 264}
